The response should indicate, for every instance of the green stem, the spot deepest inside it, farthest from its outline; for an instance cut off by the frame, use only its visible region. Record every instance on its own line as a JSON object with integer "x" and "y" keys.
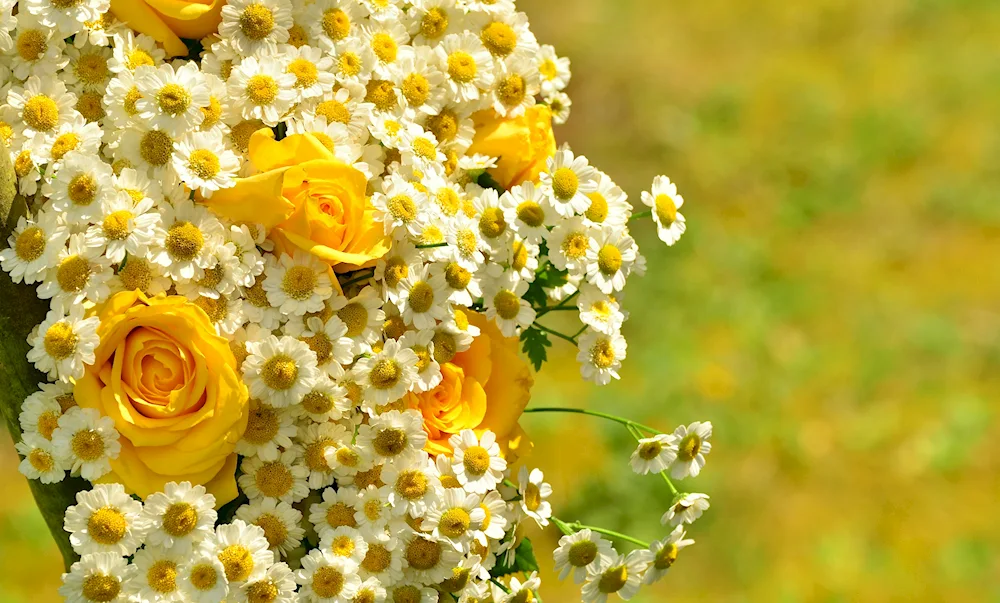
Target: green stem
{"x": 358, "y": 279}
{"x": 502, "y": 586}
{"x": 553, "y": 332}
{"x": 594, "y": 413}
{"x": 641, "y": 214}
{"x": 430, "y": 245}
{"x": 576, "y": 526}
{"x": 560, "y": 306}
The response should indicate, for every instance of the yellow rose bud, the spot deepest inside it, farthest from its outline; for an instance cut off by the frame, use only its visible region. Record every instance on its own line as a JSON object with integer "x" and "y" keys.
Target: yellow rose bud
{"x": 522, "y": 144}
{"x": 174, "y": 391}
{"x": 308, "y": 199}
{"x": 167, "y": 21}
{"x": 484, "y": 387}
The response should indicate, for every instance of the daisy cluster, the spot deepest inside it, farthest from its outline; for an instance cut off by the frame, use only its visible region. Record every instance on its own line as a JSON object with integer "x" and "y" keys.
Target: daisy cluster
{"x": 116, "y": 148}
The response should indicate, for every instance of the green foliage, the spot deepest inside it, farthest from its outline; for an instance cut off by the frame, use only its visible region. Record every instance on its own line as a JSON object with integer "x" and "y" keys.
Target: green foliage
{"x": 534, "y": 344}
{"x": 524, "y": 561}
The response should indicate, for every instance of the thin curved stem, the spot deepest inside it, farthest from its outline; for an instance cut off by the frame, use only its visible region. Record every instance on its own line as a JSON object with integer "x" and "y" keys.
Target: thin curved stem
{"x": 576, "y": 526}
{"x": 560, "y": 306}
{"x": 358, "y": 279}
{"x": 554, "y": 332}
{"x": 594, "y": 413}
{"x": 641, "y": 214}
{"x": 430, "y": 245}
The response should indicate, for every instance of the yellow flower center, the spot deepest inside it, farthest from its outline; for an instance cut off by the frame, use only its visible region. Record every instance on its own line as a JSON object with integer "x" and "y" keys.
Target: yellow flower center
{"x": 256, "y": 294}
{"x": 41, "y": 113}
{"x": 115, "y": 225}
{"x": 355, "y": 316}
{"x": 23, "y": 164}
{"x": 30, "y": 244}
{"x": 507, "y": 305}
{"x": 531, "y": 213}
{"x": 582, "y": 553}
{"x": 522, "y": 596}
{"x": 411, "y": 484}
{"x": 377, "y": 559}
{"x": 257, "y": 21}
{"x": 73, "y": 273}
{"x": 184, "y": 241}
{"x": 609, "y": 259}
{"x": 237, "y": 561}
{"x": 384, "y": 47}
{"x": 131, "y": 98}
{"x": 138, "y": 57}
{"x": 204, "y": 164}
{"x": 423, "y": 554}
{"x": 180, "y": 519}
{"x": 64, "y": 144}
{"x": 90, "y": 106}
{"x": 279, "y": 372}
{"x": 434, "y": 23}
{"x": 349, "y": 64}
{"x": 321, "y": 345}
{"x": 511, "y": 90}
{"x": 342, "y": 546}
{"x": 226, "y": 69}
{"x": 156, "y": 148}
{"x": 532, "y": 497}
{"x": 7, "y": 133}
{"x": 574, "y": 246}
{"x": 121, "y": 164}
{"x": 444, "y": 126}
{"x": 263, "y": 591}
{"x": 334, "y": 111}
{"x": 382, "y": 94}
{"x": 305, "y": 72}
{"x": 455, "y": 522}
{"x": 336, "y": 24}
{"x": 613, "y": 580}
{"x": 665, "y": 557}
{"x": 212, "y": 114}
{"x": 689, "y": 447}
{"x": 40, "y": 460}
{"x": 173, "y": 99}
{"x": 548, "y": 69}
{"x": 47, "y": 423}
{"x": 602, "y": 354}
{"x": 445, "y": 347}
{"x": 421, "y": 297}
{"x": 162, "y": 576}
{"x": 136, "y": 275}
{"x": 213, "y": 276}
{"x": 66, "y": 401}
{"x": 416, "y": 89}
{"x": 407, "y": 594}
{"x": 274, "y": 479}
{"x": 390, "y": 442}
{"x": 666, "y": 209}
{"x": 204, "y": 577}
{"x": 317, "y": 403}
{"x": 462, "y": 67}
{"x": 32, "y": 44}
{"x": 64, "y": 4}
{"x": 395, "y": 271}
{"x": 394, "y": 327}
{"x": 327, "y": 582}
{"x": 598, "y": 210}
{"x": 424, "y": 148}
{"x": 565, "y": 183}
{"x": 491, "y": 223}
{"x": 275, "y": 530}
{"x": 450, "y": 481}
{"x": 241, "y": 132}
{"x": 314, "y": 455}
{"x": 499, "y": 38}
{"x": 457, "y": 276}
{"x": 365, "y": 596}
{"x": 476, "y": 460}
{"x": 299, "y": 282}
{"x": 262, "y": 89}
{"x": 107, "y": 526}
{"x": 91, "y": 69}
{"x": 297, "y": 36}
{"x": 521, "y": 257}
{"x": 340, "y": 514}
{"x": 101, "y": 588}
{"x": 650, "y": 450}
{"x": 82, "y": 189}
{"x": 402, "y": 208}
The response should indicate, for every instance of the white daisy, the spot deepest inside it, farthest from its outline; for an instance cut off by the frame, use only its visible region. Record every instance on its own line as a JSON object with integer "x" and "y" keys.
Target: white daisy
{"x": 138, "y": 273}
{"x": 476, "y": 461}
{"x": 42, "y": 105}
{"x": 33, "y": 246}
{"x": 428, "y": 369}
{"x": 345, "y": 542}
{"x": 567, "y": 181}
{"x": 125, "y": 227}
{"x": 279, "y": 520}
{"x": 66, "y": 17}
{"x": 104, "y": 520}
{"x": 326, "y": 401}
{"x": 312, "y": 71}
{"x": 664, "y": 201}
{"x": 75, "y": 134}
{"x": 599, "y": 311}
{"x": 280, "y": 371}
{"x": 394, "y": 435}
{"x": 423, "y": 298}
{"x": 560, "y": 104}
{"x": 277, "y": 585}
{"x": 621, "y": 575}
{"x": 687, "y": 509}
{"x": 515, "y": 86}
{"x": 316, "y": 440}
{"x": 388, "y": 374}
{"x": 338, "y": 509}
{"x": 283, "y": 479}
{"x": 100, "y": 577}
{"x": 420, "y": 80}
{"x": 39, "y": 460}
{"x": 455, "y": 518}
{"x": 202, "y": 578}
{"x": 334, "y": 22}
{"x": 534, "y": 493}
{"x": 327, "y": 578}
{"x": 157, "y": 573}
{"x": 692, "y": 446}
{"x": 414, "y": 486}
{"x": 654, "y": 454}
{"x": 185, "y": 240}
{"x": 268, "y": 428}
{"x": 40, "y": 50}
{"x": 430, "y": 560}
{"x": 664, "y": 554}
{"x": 371, "y": 591}
{"x": 387, "y": 39}
{"x": 262, "y": 89}
{"x": 581, "y": 552}
{"x": 553, "y": 69}
{"x": 297, "y": 284}
{"x": 568, "y": 244}
{"x": 610, "y": 258}
{"x": 204, "y": 164}
{"x": 80, "y": 187}
{"x": 171, "y": 99}
{"x": 179, "y": 518}
{"x": 431, "y": 20}
{"x": 506, "y": 306}
{"x": 63, "y": 343}
{"x": 132, "y": 51}
{"x": 506, "y": 34}
{"x": 243, "y": 551}
{"x": 256, "y": 27}
{"x": 467, "y": 65}
{"x": 600, "y": 356}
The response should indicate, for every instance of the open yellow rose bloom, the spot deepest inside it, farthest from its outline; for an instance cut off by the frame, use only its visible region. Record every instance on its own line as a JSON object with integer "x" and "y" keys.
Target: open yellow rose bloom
{"x": 167, "y": 21}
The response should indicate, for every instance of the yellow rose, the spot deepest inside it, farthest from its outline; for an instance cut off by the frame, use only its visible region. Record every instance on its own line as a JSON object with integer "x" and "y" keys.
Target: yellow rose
{"x": 521, "y": 144}
{"x": 173, "y": 388}
{"x": 167, "y": 21}
{"x": 308, "y": 199}
{"x": 484, "y": 387}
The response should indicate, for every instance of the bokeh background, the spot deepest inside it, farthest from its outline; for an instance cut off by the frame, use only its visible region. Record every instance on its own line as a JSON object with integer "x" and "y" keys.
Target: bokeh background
{"x": 832, "y": 308}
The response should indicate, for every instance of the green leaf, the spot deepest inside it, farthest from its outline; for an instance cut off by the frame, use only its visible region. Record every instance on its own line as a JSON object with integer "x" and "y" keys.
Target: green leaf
{"x": 487, "y": 181}
{"x": 534, "y": 343}
{"x": 524, "y": 561}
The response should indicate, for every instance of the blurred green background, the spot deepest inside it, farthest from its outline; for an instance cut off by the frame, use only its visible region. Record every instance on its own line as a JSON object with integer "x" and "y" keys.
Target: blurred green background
{"x": 831, "y": 309}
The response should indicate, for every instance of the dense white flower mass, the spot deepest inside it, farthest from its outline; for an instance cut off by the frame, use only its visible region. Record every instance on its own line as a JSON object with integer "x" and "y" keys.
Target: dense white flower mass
{"x": 404, "y": 226}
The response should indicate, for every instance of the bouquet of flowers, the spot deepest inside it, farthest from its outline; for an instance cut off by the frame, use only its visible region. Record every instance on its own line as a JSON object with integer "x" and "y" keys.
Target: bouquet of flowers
{"x": 292, "y": 254}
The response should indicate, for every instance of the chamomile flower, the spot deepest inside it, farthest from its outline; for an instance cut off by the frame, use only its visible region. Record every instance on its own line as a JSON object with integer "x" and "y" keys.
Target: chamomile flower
{"x": 393, "y": 435}
{"x": 132, "y": 51}
{"x": 467, "y": 65}
{"x": 312, "y": 71}
{"x": 387, "y": 40}
{"x": 686, "y": 510}
{"x": 204, "y": 164}
{"x": 420, "y": 80}
{"x": 430, "y": 560}
{"x": 243, "y": 551}
{"x": 268, "y": 428}
{"x": 383, "y": 10}
{"x": 580, "y": 553}
{"x": 178, "y": 518}
{"x": 477, "y": 462}
{"x": 75, "y": 134}
{"x": 400, "y": 207}
{"x": 41, "y": 105}
{"x": 326, "y": 401}
{"x": 621, "y": 575}
{"x": 506, "y": 305}
{"x": 104, "y": 520}
{"x": 553, "y": 69}
{"x": 568, "y": 244}
{"x": 384, "y": 558}
{"x": 338, "y": 509}
{"x": 428, "y": 369}
{"x": 431, "y": 20}
{"x": 202, "y": 578}
{"x": 99, "y": 577}
{"x": 388, "y": 374}
{"x": 664, "y": 201}
{"x": 370, "y": 591}
{"x": 692, "y": 446}
{"x": 279, "y": 520}
{"x": 654, "y": 454}
{"x": 455, "y": 518}
{"x": 257, "y": 308}
{"x": 505, "y": 34}
{"x": 297, "y": 284}
{"x": 80, "y": 187}
{"x": 66, "y": 17}
{"x": 526, "y": 211}
{"x": 423, "y": 298}
{"x": 362, "y": 314}
{"x": 138, "y": 273}
{"x": 413, "y": 487}
{"x": 334, "y": 22}
{"x": 610, "y": 258}
{"x": 256, "y": 27}
{"x": 560, "y": 105}
{"x": 316, "y": 440}
{"x": 534, "y": 495}
{"x": 185, "y": 240}
{"x": 157, "y": 573}
{"x": 281, "y": 370}
{"x": 325, "y": 577}
{"x": 171, "y": 98}
{"x": 664, "y": 554}
{"x": 40, "y": 50}
{"x": 600, "y": 356}
{"x": 137, "y": 185}
{"x": 125, "y": 227}
{"x": 63, "y": 343}
{"x": 283, "y": 479}
{"x": 599, "y": 311}
{"x": 39, "y": 460}
{"x": 567, "y": 181}
{"x": 277, "y": 585}
{"x": 33, "y": 246}
{"x": 262, "y": 89}
{"x": 515, "y": 86}
{"x": 345, "y": 542}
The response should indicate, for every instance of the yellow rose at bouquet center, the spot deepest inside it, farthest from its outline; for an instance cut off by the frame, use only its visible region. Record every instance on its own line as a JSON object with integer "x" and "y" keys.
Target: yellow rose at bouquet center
{"x": 167, "y": 21}
{"x": 173, "y": 389}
